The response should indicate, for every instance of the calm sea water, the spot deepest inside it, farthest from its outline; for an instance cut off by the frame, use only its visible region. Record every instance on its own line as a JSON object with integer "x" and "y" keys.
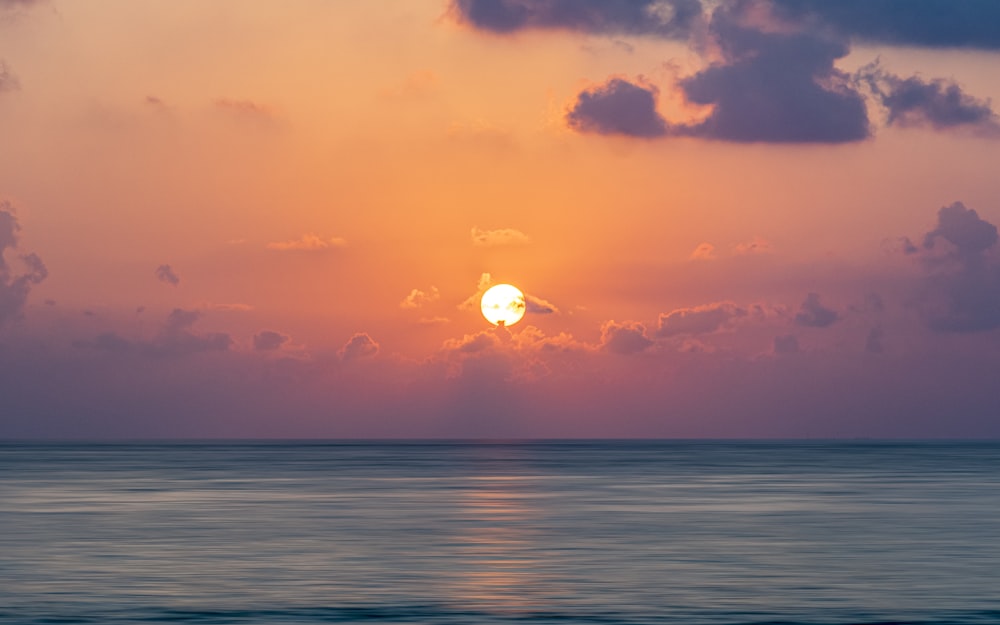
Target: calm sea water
{"x": 576, "y": 532}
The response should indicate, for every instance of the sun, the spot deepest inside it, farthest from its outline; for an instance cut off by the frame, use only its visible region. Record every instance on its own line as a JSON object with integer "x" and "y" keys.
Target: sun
{"x": 503, "y": 304}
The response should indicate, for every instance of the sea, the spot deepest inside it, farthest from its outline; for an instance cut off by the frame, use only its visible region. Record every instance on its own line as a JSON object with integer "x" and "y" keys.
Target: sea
{"x": 484, "y": 532}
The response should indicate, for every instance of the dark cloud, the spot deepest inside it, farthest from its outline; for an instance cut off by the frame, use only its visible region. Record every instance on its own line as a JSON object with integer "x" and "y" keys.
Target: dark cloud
{"x": 359, "y": 346}
{"x": 628, "y": 337}
{"x": 268, "y": 340}
{"x": 774, "y": 87}
{"x": 8, "y": 81}
{"x": 813, "y": 314}
{"x": 164, "y": 273}
{"x": 934, "y": 103}
{"x": 930, "y": 23}
{"x": 618, "y": 107}
{"x": 15, "y": 287}
{"x": 961, "y": 291}
{"x": 660, "y": 18}
{"x": 698, "y": 320}
{"x": 787, "y": 344}
{"x": 969, "y": 235}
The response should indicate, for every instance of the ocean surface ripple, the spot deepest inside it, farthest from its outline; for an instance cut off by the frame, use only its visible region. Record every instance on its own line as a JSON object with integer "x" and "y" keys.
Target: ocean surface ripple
{"x": 601, "y": 532}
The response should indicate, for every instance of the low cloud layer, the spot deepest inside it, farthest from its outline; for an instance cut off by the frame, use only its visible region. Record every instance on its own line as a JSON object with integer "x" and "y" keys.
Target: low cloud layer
{"x": 813, "y": 314}
{"x": 699, "y": 319}
{"x": 269, "y": 340}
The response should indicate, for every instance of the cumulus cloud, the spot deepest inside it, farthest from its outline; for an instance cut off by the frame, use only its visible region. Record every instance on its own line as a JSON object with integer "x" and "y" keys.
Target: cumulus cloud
{"x": 786, "y": 344}
{"x": 934, "y": 103}
{"x": 307, "y": 243}
{"x": 627, "y": 337}
{"x": 165, "y": 273}
{"x": 699, "y": 320}
{"x": 418, "y": 298}
{"x": 358, "y": 347}
{"x": 813, "y": 314}
{"x": 15, "y": 287}
{"x": 961, "y": 290}
{"x": 660, "y": 18}
{"x": 268, "y": 340}
{"x": 498, "y": 238}
{"x": 618, "y": 107}
{"x": 774, "y": 85}
{"x": 8, "y": 81}
{"x": 969, "y": 235}
{"x": 930, "y": 23}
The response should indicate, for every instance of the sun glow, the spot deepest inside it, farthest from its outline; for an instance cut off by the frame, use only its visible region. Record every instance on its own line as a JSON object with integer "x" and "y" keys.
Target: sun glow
{"x": 503, "y": 304}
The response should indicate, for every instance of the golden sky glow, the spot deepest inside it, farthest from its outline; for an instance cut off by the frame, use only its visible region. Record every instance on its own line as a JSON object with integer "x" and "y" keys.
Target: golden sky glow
{"x": 327, "y": 182}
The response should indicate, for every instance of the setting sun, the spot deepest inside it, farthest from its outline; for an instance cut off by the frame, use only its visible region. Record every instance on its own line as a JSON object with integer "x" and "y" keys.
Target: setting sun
{"x": 503, "y": 304}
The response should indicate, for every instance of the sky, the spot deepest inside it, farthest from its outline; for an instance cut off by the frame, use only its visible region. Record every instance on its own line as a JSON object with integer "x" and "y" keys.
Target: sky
{"x": 731, "y": 219}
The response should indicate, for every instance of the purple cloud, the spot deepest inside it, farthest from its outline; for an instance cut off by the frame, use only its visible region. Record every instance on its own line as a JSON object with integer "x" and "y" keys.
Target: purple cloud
{"x": 618, "y": 107}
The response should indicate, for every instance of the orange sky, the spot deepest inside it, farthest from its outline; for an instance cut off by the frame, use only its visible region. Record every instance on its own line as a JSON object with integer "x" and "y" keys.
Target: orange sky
{"x": 303, "y": 166}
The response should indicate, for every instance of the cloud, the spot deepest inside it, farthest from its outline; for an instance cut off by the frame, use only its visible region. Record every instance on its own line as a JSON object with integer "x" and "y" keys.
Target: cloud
{"x": 498, "y": 238}
{"x": 969, "y": 235}
{"x": 472, "y": 302}
{"x": 699, "y": 320}
{"x": 8, "y": 81}
{"x": 359, "y": 346}
{"x": 627, "y": 337}
{"x": 474, "y": 343}
{"x": 268, "y": 340}
{"x": 164, "y": 273}
{"x": 176, "y": 338}
{"x": 961, "y": 289}
{"x": 245, "y": 109}
{"x": 433, "y": 321}
{"x": 418, "y": 298}
{"x": 704, "y": 251}
{"x": 618, "y": 107}
{"x": 927, "y": 23}
{"x": 756, "y": 245}
{"x": 812, "y": 313}
{"x": 661, "y": 18}
{"x": 539, "y": 306}
{"x": 786, "y": 344}
{"x": 935, "y": 103}
{"x": 774, "y": 85}
{"x": 14, "y": 287}
{"x": 307, "y": 243}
